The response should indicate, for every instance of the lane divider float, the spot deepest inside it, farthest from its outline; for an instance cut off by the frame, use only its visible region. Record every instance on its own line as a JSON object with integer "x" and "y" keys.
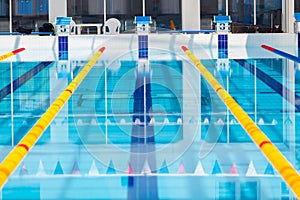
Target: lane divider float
{"x": 275, "y": 157}
{"x": 18, "y": 153}
{"x": 12, "y": 53}
{"x": 281, "y": 53}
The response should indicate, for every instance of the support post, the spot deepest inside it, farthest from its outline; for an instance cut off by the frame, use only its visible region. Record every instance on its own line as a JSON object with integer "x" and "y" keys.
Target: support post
{"x": 190, "y": 15}
{"x": 57, "y": 8}
{"x": 287, "y": 16}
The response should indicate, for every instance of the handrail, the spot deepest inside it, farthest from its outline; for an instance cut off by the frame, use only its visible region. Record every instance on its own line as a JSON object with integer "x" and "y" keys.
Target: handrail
{"x": 12, "y": 53}
{"x": 18, "y": 153}
{"x": 275, "y": 157}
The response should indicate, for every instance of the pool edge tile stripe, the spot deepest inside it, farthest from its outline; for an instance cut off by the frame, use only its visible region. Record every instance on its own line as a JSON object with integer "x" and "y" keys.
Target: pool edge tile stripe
{"x": 222, "y": 46}
{"x": 12, "y": 53}
{"x": 63, "y": 47}
{"x": 16, "y": 155}
{"x": 291, "y": 175}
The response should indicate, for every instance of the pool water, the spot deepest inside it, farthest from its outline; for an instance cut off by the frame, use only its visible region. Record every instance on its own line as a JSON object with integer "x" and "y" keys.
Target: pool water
{"x": 165, "y": 134}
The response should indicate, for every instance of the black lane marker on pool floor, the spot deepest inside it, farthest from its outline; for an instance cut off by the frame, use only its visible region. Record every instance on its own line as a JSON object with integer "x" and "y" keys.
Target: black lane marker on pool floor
{"x": 23, "y": 79}
{"x": 142, "y": 142}
{"x": 271, "y": 82}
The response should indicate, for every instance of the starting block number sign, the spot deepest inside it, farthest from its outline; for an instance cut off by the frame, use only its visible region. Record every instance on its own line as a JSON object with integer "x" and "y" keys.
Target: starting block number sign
{"x": 222, "y": 23}
{"x": 63, "y": 25}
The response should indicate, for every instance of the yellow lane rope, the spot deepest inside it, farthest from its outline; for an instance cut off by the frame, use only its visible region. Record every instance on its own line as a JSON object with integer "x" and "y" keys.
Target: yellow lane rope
{"x": 12, "y": 53}
{"x": 18, "y": 153}
{"x": 275, "y": 157}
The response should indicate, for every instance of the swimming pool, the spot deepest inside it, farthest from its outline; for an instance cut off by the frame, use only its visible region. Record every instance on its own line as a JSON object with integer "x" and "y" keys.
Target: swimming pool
{"x": 197, "y": 148}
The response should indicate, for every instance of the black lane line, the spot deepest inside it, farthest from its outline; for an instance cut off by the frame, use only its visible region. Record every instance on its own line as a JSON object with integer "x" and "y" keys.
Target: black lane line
{"x": 23, "y": 79}
{"x": 17, "y": 83}
{"x": 271, "y": 82}
{"x": 142, "y": 144}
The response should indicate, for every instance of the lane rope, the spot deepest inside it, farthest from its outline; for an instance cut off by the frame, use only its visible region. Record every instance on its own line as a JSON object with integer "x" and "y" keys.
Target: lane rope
{"x": 18, "y": 153}
{"x": 10, "y": 54}
{"x": 275, "y": 157}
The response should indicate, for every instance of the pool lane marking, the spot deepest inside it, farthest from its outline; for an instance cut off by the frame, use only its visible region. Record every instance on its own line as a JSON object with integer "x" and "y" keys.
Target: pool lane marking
{"x": 142, "y": 135}
{"x": 275, "y": 157}
{"x": 12, "y": 53}
{"x": 271, "y": 82}
{"x": 18, "y": 153}
{"x": 23, "y": 79}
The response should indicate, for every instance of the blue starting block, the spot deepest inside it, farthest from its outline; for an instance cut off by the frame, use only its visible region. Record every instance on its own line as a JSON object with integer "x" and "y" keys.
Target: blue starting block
{"x": 63, "y": 25}
{"x": 142, "y": 24}
{"x": 223, "y": 23}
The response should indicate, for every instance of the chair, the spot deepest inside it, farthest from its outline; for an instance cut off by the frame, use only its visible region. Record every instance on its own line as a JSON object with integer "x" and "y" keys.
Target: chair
{"x": 112, "y": 26}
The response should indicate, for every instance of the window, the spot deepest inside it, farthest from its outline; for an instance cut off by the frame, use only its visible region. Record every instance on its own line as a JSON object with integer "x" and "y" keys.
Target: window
{"x": 24, "y": 7}
{"x": 41, "y": 7}
{"x": 3, "y": 8}
{"x": 297, "y": 6}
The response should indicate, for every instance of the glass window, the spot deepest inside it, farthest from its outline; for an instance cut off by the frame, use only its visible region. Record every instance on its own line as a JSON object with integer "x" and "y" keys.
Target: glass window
{"x": 297, "y": 6}
{"x": 208, "y": 9}
{"x": 3, "y": 8}
{"x": 29, "y": 14}
{"x": 241, "y": 11}
{"x": 4, "y": 15}
{"x": 86, "y": 11}
{"x": 24, "y": 7}
{"x": 165, "y": 13}
{"x": 267, "y": 19}
{"x": 41, "y": 7}
{"x": 268, "y": 13}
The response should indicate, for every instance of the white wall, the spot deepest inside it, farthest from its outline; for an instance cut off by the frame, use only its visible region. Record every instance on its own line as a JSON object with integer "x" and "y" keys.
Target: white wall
{"x": 288, "y": 16}
{"x": 57, "y": 8}
{"x": 203, "y": 45}
{"x": 190, "y": 14}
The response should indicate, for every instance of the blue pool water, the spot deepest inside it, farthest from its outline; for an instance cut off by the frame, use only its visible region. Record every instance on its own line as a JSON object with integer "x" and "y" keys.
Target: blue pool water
{"x": 96, "y": 148}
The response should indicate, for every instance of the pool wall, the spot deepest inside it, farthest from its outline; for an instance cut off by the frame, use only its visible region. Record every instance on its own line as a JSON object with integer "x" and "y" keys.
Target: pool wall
{"x": 81, "y": 47}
